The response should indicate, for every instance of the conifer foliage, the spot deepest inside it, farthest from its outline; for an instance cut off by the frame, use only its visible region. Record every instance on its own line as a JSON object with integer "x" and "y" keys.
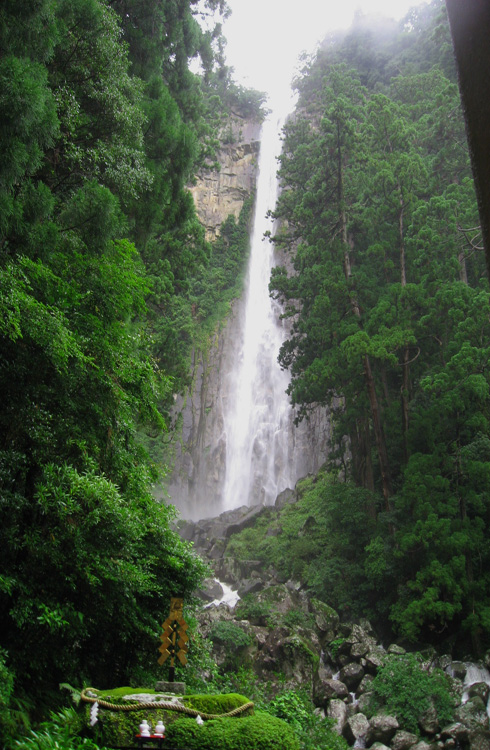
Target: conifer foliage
{"x": 388, "y": 305}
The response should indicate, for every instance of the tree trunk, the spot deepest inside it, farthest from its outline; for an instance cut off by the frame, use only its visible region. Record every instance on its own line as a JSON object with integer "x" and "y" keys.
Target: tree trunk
{"x": 378, "y": 433}
{"x": 368, "y": 375}
{"x": 405, "y": 387}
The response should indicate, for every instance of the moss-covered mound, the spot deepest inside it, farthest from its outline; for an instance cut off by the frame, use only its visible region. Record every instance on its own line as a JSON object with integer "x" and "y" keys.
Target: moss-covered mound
{"x": 117, "y": 727}
{"x": 216, "y": 704}
{"x": 258, "y": 732}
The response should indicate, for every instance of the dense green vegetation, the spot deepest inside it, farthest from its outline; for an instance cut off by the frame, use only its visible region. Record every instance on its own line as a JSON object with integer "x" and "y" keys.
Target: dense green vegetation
{"x": 389, "y": 309}
{"x": 259, "y": 732}
{"x": 106, "y": 282}
{"x": 408, "y": 692}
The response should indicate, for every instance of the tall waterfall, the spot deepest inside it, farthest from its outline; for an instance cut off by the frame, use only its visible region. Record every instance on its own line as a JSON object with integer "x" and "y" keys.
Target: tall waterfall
{"x": 257, "y": 415}
{"x": 239, "y": 445}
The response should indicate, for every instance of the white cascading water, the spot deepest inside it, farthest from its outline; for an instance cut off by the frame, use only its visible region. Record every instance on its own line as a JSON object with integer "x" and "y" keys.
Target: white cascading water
{"x": 475, "y": 674}
{"x": 256, "y": 420}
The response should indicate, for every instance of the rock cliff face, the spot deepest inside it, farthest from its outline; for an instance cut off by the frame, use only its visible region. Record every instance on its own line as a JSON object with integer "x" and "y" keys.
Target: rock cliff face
{"x": 218, "y": 194}
{"x": 196, "y": 483}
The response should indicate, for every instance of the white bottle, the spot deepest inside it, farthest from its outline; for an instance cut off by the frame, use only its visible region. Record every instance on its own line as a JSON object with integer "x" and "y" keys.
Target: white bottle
{"x": 144, "y": 728}
{"x": 160, "y": 729}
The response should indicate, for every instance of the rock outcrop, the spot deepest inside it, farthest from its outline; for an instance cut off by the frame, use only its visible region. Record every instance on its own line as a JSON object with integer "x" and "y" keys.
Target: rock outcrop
{"x": 219, "y": 193}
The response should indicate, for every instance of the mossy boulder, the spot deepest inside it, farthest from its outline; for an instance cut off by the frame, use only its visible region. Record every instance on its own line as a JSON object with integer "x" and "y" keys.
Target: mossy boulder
{"x": 258, "y": 732}
{"x": 117, "y": 727}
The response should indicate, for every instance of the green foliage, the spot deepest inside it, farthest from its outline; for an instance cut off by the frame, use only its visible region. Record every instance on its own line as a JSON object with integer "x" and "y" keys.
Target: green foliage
{"x": 118, "y": 727}
{"x": 320, "y": 543}
{"x": 295, "y": 707}
{"x": 335, "y": 646}
{"x": 258, "y": 732}
{"x": 387, "y": 306}
{"x": 256, "y": 612}
{"x": 13, "y": 718}
{"x": 216, "y": 704}
{"x": 63, "y": 731}
{"x": 229, "y": 634}
{"x": 404, "y": 688}
{"x": 88, "y": 558}
{"x": 244, "y": 681}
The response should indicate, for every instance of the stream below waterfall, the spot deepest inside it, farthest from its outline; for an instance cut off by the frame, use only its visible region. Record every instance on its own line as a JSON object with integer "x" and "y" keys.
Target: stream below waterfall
{"x": 229, "y": 596}
{"x": 476, "y": 674}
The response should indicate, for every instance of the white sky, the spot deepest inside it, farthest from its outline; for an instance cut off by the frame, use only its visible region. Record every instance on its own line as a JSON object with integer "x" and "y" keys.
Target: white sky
{"x": 265, "y": 37}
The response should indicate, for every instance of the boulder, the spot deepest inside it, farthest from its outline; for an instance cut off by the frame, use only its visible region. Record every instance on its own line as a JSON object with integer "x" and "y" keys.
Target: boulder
{"x": 360, "y": 640}
{"x": 479, "y": 740}
{"x": 244, "y": 521}
{"x": 382, "y": 728}
{"x": 250, "y": 586}
{"x": 351, "y": 675}
{"x": 456, "y": 731}
{"x": 458, "y": 669}
{"x": 364, "y": 701}
{"x": 364, "y": 684}
{"x": 356, "y": 727}
{"x": 374, "y": 659}
{"x": 429, "y": 722}
{"x": 379, "y": 746}
{"x": 394, "y": 648}
{"x": 337, "y": 710}
{"x": 280, "y": 598}
{"x": 286, "y": 497}
{"x": 422, "y": 745}
{"x": 326, "y": 620}
{"x": 212, "y": 589}
{"x": 289, "y": 655}
{"x": 473, "y": 714}
{"x": 479, "y": 689}
{"x": 403, "y": 740}
{"x": 325, "y": 690}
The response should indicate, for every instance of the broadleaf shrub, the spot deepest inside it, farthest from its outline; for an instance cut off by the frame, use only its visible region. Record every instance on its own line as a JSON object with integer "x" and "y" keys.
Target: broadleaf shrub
{"x": 296, "y": 707}
{"x": 229, "y": 634}
{"x": 405, "y": 689}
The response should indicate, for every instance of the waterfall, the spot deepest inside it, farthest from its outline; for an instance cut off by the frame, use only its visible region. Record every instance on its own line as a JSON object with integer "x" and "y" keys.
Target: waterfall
{"x": 256, "y": 418}
{"x": 476, "y": 674}
{"x": 239, "y": 443}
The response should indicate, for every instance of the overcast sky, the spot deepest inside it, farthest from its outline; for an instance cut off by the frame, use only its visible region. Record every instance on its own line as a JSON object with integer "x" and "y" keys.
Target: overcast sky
{"x": 266, "y": 37}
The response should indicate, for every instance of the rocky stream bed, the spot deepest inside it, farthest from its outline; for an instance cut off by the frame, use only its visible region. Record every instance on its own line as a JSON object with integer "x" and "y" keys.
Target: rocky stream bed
{"x": 291, "y": 640}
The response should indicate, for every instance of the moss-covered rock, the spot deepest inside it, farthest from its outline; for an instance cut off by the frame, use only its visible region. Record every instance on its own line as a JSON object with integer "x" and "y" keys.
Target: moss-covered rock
{"x": 258, "y": 732}
{"x": 116, "y": 727}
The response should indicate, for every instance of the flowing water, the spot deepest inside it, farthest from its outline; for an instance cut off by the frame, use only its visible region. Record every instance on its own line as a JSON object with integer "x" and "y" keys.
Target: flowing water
{"x": 230, "y": 596}
{"x": 475, "y": 674}
{"x": 241, "y": 446}
{"x": 258, "y": 465}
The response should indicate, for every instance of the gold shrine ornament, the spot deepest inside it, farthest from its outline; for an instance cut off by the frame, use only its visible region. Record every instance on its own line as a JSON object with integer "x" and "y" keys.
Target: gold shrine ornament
{"x": 174, "y": 638}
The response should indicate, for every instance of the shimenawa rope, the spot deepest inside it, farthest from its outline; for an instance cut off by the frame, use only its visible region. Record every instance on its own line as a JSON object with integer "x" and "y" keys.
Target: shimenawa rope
{"x": 163, "y": 704}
